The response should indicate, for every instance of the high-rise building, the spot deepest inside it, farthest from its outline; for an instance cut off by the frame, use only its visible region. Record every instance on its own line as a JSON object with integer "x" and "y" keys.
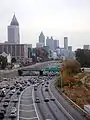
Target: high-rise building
{"x": 87, "y": 47}
{"x": 50, "y": 43}
{"x": 56, "y": 44}
{"x": 70, "y": 48}
{"x": 42, "y": 38}
{"x": 66, "y": 43}
{"x": 13, "y": 31}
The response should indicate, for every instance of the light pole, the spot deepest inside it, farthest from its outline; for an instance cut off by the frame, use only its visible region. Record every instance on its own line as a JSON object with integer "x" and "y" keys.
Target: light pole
{"x": 61, "y": 82}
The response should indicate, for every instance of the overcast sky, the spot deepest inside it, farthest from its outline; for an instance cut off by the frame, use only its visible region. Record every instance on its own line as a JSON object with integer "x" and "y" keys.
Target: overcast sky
{"x": 57, "y": 18}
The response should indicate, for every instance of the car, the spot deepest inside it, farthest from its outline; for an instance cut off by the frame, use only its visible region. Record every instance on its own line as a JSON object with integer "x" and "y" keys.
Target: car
{"x": 1, "y": 114}
{"x": 18, "y": 93}
{"x": 13, "y": 110}
{"x": 35, "y": 89}
{"x": 13, "y": 91}
{"x": 46, "y": 89}
{"x": 42, "y": 83}
{"x": 46, "y": 85}
{"x": 12, "y": 87}
{"x": 52, "y": 99}
{"x": 13, "y": 115}
{"x": 3, "y": 109}
{"x": 5, "y": 79}
{"x": 10, "y": 93}
{"x": 47, "y": 82}
{"x": 17, "y": 87}
{"x": 21, "y": 89}
{"x": 0, "y": 87}
{"x": 2, "y": 94}
{"x": 7, "y": 87}
{"x": 46, "y": 100}
{"x": 15, "y": 100}
{"x": 28, "y": 84}
{"x": 37, "y": 100}
{"x": 5, "y": 104}
{"x": 7, "y": 100}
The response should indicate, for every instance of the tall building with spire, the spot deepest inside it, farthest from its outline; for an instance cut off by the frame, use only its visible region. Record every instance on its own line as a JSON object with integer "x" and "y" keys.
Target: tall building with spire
{"x": 42, "y": 39}
{"x": 13, "y": 31}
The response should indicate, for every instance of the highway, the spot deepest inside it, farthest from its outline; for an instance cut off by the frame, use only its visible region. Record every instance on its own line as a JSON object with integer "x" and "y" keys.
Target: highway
{"x": 53, "y": 110}
{"x": 50, "y": 110}
{"x": 37, "y": 101}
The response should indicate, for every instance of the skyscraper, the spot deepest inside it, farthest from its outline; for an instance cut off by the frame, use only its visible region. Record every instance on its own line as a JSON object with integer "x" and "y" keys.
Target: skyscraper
{"x": 13, "y": 31}
{"x": 70, "y": 48}
{"x": 50, "y": 43}
{"x": 66, "y": 43}
{"x": 87, "y": 47}
{"x": 56, "y": 44}
{"x": 42, "y": 38}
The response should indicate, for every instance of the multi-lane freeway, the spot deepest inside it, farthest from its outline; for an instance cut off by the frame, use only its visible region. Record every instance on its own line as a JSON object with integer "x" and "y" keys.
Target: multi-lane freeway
{"x": 35, "y": 98}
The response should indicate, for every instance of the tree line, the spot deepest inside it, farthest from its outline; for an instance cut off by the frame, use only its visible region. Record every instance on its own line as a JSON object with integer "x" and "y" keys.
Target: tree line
{"x": 83, "y": 57}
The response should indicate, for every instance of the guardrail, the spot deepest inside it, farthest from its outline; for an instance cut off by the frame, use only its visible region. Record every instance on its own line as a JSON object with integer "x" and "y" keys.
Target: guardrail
{"x": 85, "y": 113}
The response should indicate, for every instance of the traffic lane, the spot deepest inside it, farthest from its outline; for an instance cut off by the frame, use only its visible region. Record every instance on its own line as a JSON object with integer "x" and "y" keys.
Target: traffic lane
{"x": 53, "y": 107}
{"x": 44, "y": 111}
{"x": 67, "y": 106}
{"x": 10, "y": 105}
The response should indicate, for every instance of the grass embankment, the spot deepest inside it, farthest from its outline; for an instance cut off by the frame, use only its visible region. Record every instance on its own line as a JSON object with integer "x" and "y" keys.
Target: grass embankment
{"x": 76, "y": 86}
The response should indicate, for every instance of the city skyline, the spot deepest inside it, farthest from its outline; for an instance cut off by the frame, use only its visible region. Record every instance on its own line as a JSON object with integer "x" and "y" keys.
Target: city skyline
{"x": 57, "y": 18}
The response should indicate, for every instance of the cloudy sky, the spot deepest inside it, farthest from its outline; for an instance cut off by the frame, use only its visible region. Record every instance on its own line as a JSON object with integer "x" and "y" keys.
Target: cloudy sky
{"x": 57, "y": 18}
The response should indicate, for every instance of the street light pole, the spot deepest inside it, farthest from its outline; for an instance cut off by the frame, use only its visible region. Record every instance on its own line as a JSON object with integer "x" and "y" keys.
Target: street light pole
{"x": 61, "y": 82}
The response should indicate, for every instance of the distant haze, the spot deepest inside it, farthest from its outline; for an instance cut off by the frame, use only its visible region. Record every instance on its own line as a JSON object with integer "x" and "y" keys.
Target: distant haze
{"x": 57, "y": 18}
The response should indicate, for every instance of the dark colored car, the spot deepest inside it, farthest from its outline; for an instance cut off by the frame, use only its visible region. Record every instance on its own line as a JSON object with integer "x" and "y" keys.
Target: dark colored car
{"x": 46, "y": 89}
{"x": 13, "y": 115}
{"x": 46, "y": 100}
{"x": 47, "y": 82}
{"x": 1, "y": 114}
{"x": 3, "y": 109}
{"x": 18, "y": 93}
{"x": 52, "y": 99}
{"x": 5, "y": 104}
{"x": 7, "y": 100}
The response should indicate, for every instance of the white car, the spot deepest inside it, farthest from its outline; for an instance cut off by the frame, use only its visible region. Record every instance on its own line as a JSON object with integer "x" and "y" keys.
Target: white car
{"x": 13, "y": 91}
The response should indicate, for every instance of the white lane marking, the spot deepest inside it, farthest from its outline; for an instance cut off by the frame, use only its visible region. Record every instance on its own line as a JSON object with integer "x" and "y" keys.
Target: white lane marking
{"x": 34, "y": 103}
{"x": 25, "y": 100}
{"x": 27, "y": 94}
{"x": 28, "y": 118}
{"x": 27, "y": 110}
{"x": 68, "y": 114}
{"x": 26, "y": 105}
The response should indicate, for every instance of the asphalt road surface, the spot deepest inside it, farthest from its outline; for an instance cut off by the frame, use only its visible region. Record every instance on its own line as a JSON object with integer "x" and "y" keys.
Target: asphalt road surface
{"x": 59, "y": 109}
{"x": 56, "y": 108}
{"x": 49, "y": 110}
{"x": 26, "y": 105}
